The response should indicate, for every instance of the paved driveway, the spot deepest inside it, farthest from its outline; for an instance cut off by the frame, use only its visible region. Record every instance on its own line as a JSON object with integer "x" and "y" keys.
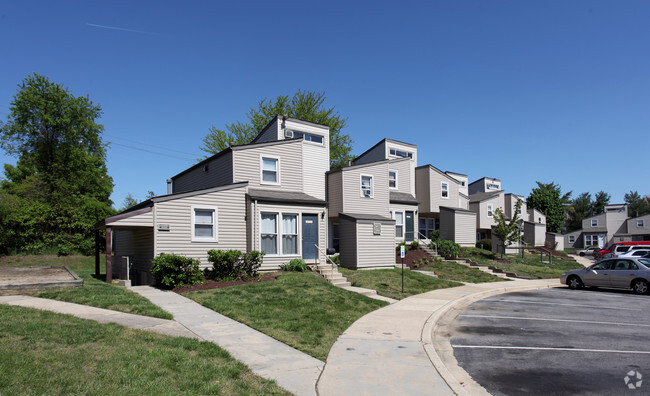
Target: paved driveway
{"x": 556, "y": 341}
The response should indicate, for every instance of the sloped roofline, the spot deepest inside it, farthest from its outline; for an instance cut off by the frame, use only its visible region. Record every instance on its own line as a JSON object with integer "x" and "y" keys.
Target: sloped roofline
{"x": 384, "y": 140}
{"x": 439, "y": 171}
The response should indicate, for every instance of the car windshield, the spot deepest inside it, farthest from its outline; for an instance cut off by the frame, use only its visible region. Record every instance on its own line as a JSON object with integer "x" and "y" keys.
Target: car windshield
{"x": 645, "y": 262}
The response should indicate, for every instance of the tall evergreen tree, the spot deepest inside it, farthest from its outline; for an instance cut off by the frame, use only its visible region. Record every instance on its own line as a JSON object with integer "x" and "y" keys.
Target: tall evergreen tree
{"x": 601, "y": 199}
{"x": 637, "y": 206}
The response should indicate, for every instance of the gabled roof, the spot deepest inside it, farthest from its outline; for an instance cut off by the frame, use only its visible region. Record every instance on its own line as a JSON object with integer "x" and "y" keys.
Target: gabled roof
{"x": 480, "y": 197}
{"x": 457, "y": 209}
{"x": 365, "y": 216}
{"x": 440, "y": 172}
{"x": 402, "y": 198}
{"x": 347, "y": 168}
{"x": 384, "y": 141}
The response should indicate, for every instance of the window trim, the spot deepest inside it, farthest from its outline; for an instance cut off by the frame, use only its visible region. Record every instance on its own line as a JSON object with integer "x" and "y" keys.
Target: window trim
{"x": 279, "y": 232}
{"x": 393, "y": 215}
{"x": 215, "y": 223}
{"x": 392, "y": 151}
{"x": 572, "y": 239}
{"x": 361, "y": 189}
{"x": 594, "y": 222}
{"x": 640, "y": 223}
{"x": 277, "y": 169}
{"x": 492, "y": 186}
{"x": 444, "y": 190}
{"x": 303, "y": 135}
{"x": 395, "y": 172}
{"x": 283, "y": 233}
{"x": 490, "y": 210}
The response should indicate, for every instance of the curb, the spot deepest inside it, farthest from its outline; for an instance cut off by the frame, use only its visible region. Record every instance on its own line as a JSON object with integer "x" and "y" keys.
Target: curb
{"x": 459, "y": 382}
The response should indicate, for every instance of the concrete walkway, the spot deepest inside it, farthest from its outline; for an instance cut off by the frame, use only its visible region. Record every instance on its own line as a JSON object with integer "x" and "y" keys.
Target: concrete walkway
{"x": 584, "y": 260}
{"x": 293, "y": 370}
{"x": 390, "y": 351}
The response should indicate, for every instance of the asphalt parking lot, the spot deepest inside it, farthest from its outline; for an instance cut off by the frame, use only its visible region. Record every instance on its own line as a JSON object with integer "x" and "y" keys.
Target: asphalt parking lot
{"x": 556, "y": 342}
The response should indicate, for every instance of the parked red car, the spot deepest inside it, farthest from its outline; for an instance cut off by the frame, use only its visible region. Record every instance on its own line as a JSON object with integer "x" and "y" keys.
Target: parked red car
{"x": 613, "y": 246}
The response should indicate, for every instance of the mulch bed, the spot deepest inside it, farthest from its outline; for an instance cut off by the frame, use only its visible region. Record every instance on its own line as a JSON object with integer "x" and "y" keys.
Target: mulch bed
{"x": 411, "y": 257}
{"x": 212, "y": 284}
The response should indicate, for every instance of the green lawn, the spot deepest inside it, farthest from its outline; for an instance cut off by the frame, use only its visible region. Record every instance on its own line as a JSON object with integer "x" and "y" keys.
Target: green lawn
{"x": 460, "y": 273}
{"x": 388, "y": 282}
{"x": 95, "y": 292}
{"x": 47, "y": 353}
{"x": 299, "y": 309}
{"x": 530, "y": 266}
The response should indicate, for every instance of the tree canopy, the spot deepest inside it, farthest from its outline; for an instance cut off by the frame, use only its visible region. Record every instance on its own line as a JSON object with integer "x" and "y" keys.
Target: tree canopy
{"x": 548, "y": 199}
{"x": 581, "y": 207}
{"x": 637, "y": 206}
{"x": 303, "y": 105}
{"x": 60, "y": 185}
{"x": 601, "y": 199}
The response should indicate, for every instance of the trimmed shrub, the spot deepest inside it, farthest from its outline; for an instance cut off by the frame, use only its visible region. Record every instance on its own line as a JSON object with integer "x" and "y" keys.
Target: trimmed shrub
{"x": 485, "y": 244}
{"x": 434, "y": 235}
{"x": 233, "y": 264}
{"x": 297, "y": 265}
{"x": 336, "y": 259}
{"x": 415, "y": 245}
{"x": 172, "y": 270}
{"x": 397, "y": 248}
{"x": 448, "y": 248}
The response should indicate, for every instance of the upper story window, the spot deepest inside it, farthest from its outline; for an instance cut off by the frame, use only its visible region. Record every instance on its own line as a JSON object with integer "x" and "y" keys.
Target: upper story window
{"x": 366, "y": 186}
{"x": 640, "y": 223}
{"x": 462, "y": 183}
{"x": 204, "y": 224}
{"x": 444, "y": 189}
{"x": 594, "y": 222}
{"x": 572, "y": 238}
{"x": 489, "y": 210}
{"x": 492, "y": 186}
{"x": 270, "y": 174}
{"x": 308, "y": 137}
{"x": 400, "y": 153}
{"x": 392, "y": 179}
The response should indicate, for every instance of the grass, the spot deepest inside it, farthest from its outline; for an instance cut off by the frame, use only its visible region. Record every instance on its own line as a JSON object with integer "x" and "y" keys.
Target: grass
{"x": 530, "y": 266}
{"x": 460, "y": 273}
{"x": 47, "y": 353}
{"x": 95, "y": 292}
{"x": 388, "y": 282}
{"x": 299, "y": 309}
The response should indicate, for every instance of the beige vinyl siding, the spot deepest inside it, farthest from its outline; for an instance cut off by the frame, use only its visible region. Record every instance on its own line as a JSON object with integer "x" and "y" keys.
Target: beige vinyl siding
{"x": 248, "y": 165}
{"x": 390, "y": 144}
{"x": 535, "y": 215}
{"x": 375, "y": 154}
{"x": 534, "y": 233}
{"x": 465, "y": 228}
{"x": 404, "y": 177}
{"x": 177, "y": 213}
{"x": 316, "y": 159}
{"x": 270, "y": 134}
{"x": 353, "y": 202}
{"x": 634, "y": 229}
{"x": 348, "y": 243}
{"x": 435, "y": 191}
{"x": 464, "y": 202}
{"x": 273, "y": 262}
{"x": 141, "y": 220}
{"x": 482, "y": 219}
{"x": 335, "y": 193}
{"x": 375, "y": 251}
{"x": 422, "y": 189}
{"x": 135, "y": 242}
{"x": 219, "y": 172}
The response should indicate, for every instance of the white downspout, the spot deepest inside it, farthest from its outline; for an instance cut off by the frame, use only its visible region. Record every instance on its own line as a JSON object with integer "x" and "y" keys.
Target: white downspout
{"x": 255, "y": 226}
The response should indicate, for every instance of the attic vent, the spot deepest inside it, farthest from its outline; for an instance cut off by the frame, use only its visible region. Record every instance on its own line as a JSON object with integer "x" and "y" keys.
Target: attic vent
{"x": 288, "y": 134}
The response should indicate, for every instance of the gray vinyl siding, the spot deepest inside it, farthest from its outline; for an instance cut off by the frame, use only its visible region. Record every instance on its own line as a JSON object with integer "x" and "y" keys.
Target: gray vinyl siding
{"x": 578, "y": 241}
{"x": 354, "y": 202}
{"x": 422, "y": 189}
{"x": 435, "y": 192}
{"x": 273, "y": 262}
{"x": 482, "y": 219}
{"x": 534, "y": 233}
{"x": 535, "y": 216}
{"x": 406, "y": 208}
{"x": 376, "y": 154}
{"x": 375, "y": 251}
{"x": 177, "y": 213}
{"x": 137, "y": 243}
{"x": 348, "y": 243}
{"x": 554, "y": 241}
{"x": 316, "y": 159}
{"x": 633, "y": 229}
{"x": 465, "y": 228}
{"x": 141, "y": 220}
{"x": 248, "y": 165}
{"x": 335, "y": 193}
{"x": 270, "y": 134}
{"x": 219, "y": 173}
{"x": 447, "y": 225}
{"x": 404, "y": 177}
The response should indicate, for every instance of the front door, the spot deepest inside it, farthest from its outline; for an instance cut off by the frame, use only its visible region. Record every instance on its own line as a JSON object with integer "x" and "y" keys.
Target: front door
{"x": 309, "y": 236}
{"x": 409, "y": 226}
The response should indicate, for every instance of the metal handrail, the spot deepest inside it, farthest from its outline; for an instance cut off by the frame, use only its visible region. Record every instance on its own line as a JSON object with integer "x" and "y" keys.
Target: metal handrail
{"x": 427, "y": 241}
{"x": 326, "y": 258}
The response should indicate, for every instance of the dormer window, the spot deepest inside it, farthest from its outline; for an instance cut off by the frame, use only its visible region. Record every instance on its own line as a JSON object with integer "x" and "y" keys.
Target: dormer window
{"x": 594, "y": 222}
{"x": 640, "y": 223}
{"x": 400, "y": 153}
{"x": 489, "y": 210}
{"x": 492, "y": 186}
{"x": 309, "y": 137}
{"x": 444, "y": 189}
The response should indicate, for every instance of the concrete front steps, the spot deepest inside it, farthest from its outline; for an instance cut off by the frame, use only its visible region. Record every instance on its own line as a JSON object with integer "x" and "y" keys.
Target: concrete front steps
{"x": 489, "y": 269}
{"x": 332, "y": 274}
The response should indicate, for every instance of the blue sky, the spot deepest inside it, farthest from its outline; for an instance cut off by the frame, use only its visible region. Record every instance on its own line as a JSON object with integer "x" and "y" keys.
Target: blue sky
{"x": 519, "y": 90}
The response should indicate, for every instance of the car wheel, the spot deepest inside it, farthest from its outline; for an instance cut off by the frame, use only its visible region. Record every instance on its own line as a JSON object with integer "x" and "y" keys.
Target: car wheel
{"x": 582, "y": 254}
{"x": 574, "y": 283}
{"x": 640, "y": 286}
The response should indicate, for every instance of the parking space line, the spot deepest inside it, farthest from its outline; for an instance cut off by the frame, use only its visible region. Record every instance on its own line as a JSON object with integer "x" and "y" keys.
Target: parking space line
{"x": 551, "y": 349}
{"x": 554, "y": 320}
{"x": 569, "y": 305}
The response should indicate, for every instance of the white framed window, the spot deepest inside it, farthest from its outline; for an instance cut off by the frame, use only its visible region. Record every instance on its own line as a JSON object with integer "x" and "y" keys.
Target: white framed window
{"x": 399, "y": 223}
{"x": 269, "y": 233}
{"x": 400, "y": 153}
{"x": 444, "y": 189}
{"x": 492, "y": 186}
{"x": 270, "y": 173}
{"x": 594, "y": 222}
{"x": 572, "y": 238}
{"x": 204, "y": 224}
{"x": 462, "y": 183}
{"x": 289, "y": 234}
{"x": 366, "y": 186}
{"x": 308, "y": 137}
{"x": 489, "y": 210}
{"x": 392, "y": 179}
{"x": 640, "y": 223}
{"x": 591, "y": 240}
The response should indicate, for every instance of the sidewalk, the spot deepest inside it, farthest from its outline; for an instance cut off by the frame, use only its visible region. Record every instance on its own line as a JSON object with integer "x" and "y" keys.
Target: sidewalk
{"x": 390, "y": 351}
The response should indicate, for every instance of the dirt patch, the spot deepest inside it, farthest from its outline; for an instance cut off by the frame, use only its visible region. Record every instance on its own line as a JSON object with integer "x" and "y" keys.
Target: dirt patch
{"x": 28, "y": 278}
{"x": 212, "y": 284}
{"x": 502, "y": 261}
{"x": 411, "y": 257}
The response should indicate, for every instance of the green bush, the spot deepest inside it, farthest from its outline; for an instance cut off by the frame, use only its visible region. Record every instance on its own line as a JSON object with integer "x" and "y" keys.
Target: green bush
{"x": 233, "y": 264}
{"x": 485, "y": 244}
{"x": 434, "y": 235}
{"x": 297, "y": 265}
{"x": 336, "y": 259}
{"x": 415, "y": 245}
{"x": 397, "y": 248}
{"x": 448, "y": 248}
{"x": 172, "y": 270}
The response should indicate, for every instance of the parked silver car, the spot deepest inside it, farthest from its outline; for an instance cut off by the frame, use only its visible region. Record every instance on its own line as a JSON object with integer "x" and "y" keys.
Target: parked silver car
{"x": 589, "y": 251}
{"x": 618, "y": 273}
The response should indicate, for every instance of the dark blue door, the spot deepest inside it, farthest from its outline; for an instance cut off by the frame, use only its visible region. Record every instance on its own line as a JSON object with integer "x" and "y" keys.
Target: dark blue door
{"x": 309, "y": 236}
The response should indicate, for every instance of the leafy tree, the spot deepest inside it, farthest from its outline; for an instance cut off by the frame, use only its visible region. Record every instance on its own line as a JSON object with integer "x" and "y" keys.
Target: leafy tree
{"x": 637, "y": 206}
{"x": 600, "y": 201}
{"x": 129, "y": 201}
{"x": 548, "y": 199}
{"x": 60, "y": 186}
{"x": 303, "y": 105}
{"x": 507, "y": 231}
{"x": 581, "y": 208}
